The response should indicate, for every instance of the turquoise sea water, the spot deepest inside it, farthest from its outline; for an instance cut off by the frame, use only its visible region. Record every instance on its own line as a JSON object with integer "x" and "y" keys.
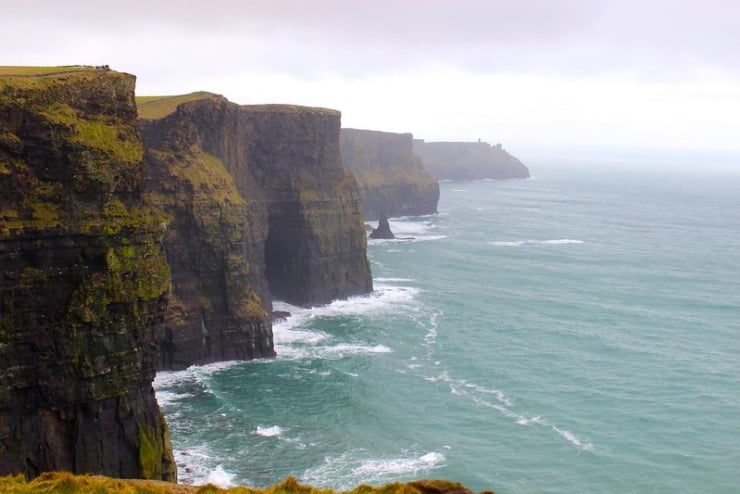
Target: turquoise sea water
{"x": 577, "y": 332}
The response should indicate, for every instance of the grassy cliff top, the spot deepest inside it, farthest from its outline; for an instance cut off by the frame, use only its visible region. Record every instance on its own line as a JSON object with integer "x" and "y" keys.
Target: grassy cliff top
{"x": 89, "y": 484}
{"x": 282, "y": 108}
{"x": 156, "y": 107}
{"x": 21, "y": 71}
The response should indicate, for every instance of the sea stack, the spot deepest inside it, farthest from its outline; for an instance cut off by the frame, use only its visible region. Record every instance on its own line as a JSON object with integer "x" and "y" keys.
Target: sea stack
{"x": 384, "y": 229}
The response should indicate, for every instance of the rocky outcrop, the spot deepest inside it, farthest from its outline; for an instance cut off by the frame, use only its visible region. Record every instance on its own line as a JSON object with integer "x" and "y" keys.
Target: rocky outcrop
{"x": 83, "y": 281}
{"x": 384, "y": 229}
{"x": 469, "y": 160}
{"x": 392, "y": 179}
{"x": 262, "y": 200}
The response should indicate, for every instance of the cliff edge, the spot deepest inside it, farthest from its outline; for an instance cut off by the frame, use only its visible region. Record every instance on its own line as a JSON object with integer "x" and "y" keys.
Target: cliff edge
{"x": 392, "y": 179}
{"x": 469, "y": 160}
{"x": 261, "y": 208}
{"x": 83, "y": 280}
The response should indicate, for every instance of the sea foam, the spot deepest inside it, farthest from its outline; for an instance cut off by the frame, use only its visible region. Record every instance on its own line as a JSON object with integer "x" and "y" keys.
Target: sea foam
{"x": 519, "y": 243}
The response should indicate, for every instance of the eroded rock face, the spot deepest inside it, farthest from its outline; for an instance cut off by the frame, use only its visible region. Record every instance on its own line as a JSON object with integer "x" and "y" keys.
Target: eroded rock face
{"x": 469, "y": 160}
{"x": 315, "y": 250}
{"x": 83, "y": 281}
{"x": 214, "y": 241}
{"x": 392, "y": 179}
{"x": 260, "y": 207}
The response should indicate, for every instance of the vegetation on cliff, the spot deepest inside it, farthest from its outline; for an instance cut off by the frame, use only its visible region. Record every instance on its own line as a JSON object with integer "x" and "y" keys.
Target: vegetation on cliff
{"x": 305, "y": 233}
{"x": 83, "y": 279}
{"x": 392, "y": 180}
{"x": 469, "y": 160}
{"x": 218, "y": 309}
{"x": 71, "y": 484}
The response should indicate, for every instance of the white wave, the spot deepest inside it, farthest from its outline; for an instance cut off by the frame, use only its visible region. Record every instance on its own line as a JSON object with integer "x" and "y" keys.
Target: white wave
{"x": 166, "y": 398}
{"x": 416, "y": 229}
{"x": 529, "y": 421}
{"x": 519, "y": 243}
{"x": 193, "y": 465}
{"x": 221, "y": 478}
{"x": 166, "y": 379}
{"x": 349, "y": 469}
{"x": 563, "y": 241}
{"x": 573, "y": 439}
{"x": 269, "y": 431}
{"x": 285, "y": 336}
{"x": 399, "y": 466}
{"x": 386, "y": 296}
{"x": 397, "y": 280}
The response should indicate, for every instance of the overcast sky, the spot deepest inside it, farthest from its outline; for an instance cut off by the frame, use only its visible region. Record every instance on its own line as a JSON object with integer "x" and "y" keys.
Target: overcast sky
{"x": 531, "y": 74}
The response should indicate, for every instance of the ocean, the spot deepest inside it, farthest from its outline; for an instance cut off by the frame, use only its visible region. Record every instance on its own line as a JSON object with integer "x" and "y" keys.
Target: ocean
{"x": 575, "y": 332}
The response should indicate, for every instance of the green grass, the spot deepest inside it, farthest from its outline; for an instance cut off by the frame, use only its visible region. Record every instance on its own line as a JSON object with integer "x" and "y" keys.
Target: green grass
{"x": 65, "y": 483}
{"x": 156, "y": 107}
{"x": 18, "y": 70}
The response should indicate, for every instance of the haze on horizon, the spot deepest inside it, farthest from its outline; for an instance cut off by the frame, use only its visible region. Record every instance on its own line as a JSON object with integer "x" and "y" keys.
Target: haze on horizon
{"x": 535, "y": 75}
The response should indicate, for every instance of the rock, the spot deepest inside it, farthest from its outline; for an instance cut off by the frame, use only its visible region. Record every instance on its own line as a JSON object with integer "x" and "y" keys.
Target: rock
{"x": 469, "y": 160}
{"x": 214, "y": 243}
{"x": 83, "y": 281}
{"x": 392, "y": 180}
{"x": 384, "y": 229}
{"x": 280, "y": 315}
{"x": 261, "y": 207}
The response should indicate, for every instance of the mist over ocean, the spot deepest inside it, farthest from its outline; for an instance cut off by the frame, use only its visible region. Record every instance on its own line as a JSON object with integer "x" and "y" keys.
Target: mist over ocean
{"x": 577, "y": 332}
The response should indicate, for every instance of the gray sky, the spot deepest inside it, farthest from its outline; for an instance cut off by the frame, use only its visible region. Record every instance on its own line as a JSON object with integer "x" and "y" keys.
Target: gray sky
{"x": 532, "y": 74}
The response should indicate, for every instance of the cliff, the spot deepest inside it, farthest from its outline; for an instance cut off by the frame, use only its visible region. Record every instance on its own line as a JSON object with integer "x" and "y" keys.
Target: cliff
{"x": 276, "y": 212}
{"x": 469, "y": 160}
{"x": 83, "y": 279}
{"x": 392, "y": 179}
{"x": 219, "y": 309}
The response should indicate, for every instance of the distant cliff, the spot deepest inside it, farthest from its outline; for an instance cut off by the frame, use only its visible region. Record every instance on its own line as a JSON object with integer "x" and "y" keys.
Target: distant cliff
{"x": 83, "y": 280}
{"x": 469, "y": 160}
{"x": 263, "y": 208}
{"x": 392, "y": 180}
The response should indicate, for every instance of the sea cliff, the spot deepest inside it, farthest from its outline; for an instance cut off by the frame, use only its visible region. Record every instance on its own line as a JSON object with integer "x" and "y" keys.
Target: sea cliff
{"x": 393, "y": 181}
{"x": 262, "y": 207}
{"x": 469, "y": 160}
{"x": 84, "y": 282}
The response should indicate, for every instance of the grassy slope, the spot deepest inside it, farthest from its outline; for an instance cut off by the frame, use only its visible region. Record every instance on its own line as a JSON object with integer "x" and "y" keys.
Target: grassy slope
{"x": 10, "y": 70}
{"x": 155, "y": 107}
{"x": 65, "y": 483}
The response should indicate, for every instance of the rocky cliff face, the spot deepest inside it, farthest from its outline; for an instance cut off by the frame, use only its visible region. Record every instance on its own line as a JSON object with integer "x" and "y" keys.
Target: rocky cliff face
{"x": 469, "y": 160}
{"x": 83, "y": 281}
{"x": 215, "y": 237}
{"x": 262, "y": 200}
{"x": 392, "y": 179}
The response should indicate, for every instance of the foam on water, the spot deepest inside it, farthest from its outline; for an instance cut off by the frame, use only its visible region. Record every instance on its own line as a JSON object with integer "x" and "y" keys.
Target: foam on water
{"x": 519, "y": 243}
{"x": 269, "y": 431}
{"x": 352, "y": 468}
{"x": 221, "y": 478}
{"x": 573, "y": 439}
{"x": 503, "y": 405}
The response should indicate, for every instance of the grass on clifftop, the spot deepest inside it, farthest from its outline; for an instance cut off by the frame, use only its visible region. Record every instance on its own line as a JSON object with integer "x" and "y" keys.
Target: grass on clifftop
{"x": 17, "y": 70}
{"x": 66, "y": 483}
{"x": 156, "y": 107}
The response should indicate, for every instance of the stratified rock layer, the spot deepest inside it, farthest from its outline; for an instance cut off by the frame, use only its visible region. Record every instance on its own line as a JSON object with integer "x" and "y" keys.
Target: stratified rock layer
{"x": 214, "y": 241}
{"x": 262, "y": 208}
{"x": 83, "y": 281}
{"x": 469, "y": 160}
{"x": 392, "y": 180}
